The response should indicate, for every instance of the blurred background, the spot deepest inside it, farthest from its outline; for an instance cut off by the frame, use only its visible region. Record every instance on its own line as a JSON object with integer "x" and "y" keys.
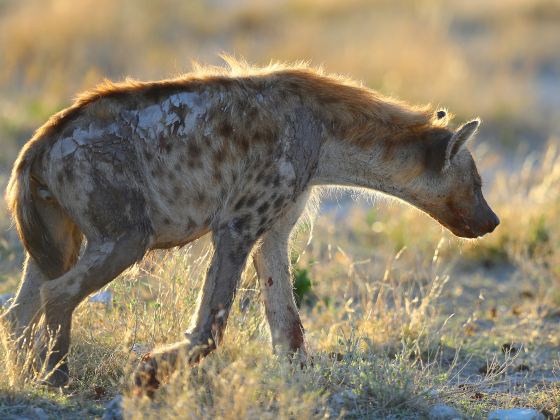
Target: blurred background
{"x": 497, "y": 60}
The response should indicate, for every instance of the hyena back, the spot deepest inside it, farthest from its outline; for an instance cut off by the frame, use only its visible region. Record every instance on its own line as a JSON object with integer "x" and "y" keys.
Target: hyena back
{"x": 140, "y": 166}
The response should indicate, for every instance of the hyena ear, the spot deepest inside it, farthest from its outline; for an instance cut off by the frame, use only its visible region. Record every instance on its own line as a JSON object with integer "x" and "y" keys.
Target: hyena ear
{"x": 459, "y": 139}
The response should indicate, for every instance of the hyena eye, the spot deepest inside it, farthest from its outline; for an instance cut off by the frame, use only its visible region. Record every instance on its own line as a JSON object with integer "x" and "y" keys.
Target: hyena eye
{"x": 441, "y": 114}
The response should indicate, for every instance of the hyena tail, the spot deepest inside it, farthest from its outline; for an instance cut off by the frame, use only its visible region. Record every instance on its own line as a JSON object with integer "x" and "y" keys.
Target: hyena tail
{"x": 46, "y": 232}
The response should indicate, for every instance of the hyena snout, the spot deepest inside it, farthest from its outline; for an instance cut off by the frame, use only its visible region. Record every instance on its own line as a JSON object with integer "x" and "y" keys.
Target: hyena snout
{"x": 482, "y": 219}
{"x": 471, "y": 220}
{"x": 488, "y": 220}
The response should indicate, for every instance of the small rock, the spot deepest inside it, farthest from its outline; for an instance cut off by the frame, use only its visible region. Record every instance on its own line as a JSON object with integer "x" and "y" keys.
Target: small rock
{"x": 105, "y": 297}
{"x": 6, "y": 299}
{"x": 444, "y": 412}
{"x": 516, "y": 414}
{"x": 113, "y": 409}
{"x": 40, "y": 413}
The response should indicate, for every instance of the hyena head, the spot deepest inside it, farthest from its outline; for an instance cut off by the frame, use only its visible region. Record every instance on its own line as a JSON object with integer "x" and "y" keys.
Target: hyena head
{"x": 448, "y": 186}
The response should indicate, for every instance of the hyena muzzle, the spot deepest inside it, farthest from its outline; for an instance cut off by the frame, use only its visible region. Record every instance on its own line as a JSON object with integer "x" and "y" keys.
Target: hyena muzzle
{"x": 139, "y": 166}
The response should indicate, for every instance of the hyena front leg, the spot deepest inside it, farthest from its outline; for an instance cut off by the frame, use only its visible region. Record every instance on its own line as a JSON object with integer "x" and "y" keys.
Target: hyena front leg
{"x": 273, "y": 269}
{"x": 231, "y": 248}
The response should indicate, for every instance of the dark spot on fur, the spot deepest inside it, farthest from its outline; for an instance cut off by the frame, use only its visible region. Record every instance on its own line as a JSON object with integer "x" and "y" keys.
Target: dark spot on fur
{"x": 240, "y": 203}
{"x": 194, "y": 164}
{"x": 166, "y": 221}
{"x": 177, "y": 167}
{"x": 220, "y": 155}
{"x": 266, "y": 179}
{"x": 270, "y": 282}
{"x": 201, "y": 198}
{"x": 225, "y": 129}
{"x": 177, "y": 190}
{"x": 128, "y": 206}
{"x": 194, "y": 150}
{"x": 244, "y": 144}
{"x": 157, "y": 171}
{"x": 242, "y": 222}
{"x": 263, "y": 207}
{"x": 69, "y": 172}
{"x": 251, "y": 201}
{"x": 60, "y": 177}
{"x": 279, "y": 202}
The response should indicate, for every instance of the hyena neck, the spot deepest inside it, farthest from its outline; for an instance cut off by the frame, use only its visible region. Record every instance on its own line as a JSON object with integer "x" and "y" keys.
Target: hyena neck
{"x": 344, "y": 163}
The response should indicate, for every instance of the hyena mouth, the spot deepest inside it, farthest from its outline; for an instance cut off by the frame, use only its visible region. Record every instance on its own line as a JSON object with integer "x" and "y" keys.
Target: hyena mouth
{"x": 459, "y": 227}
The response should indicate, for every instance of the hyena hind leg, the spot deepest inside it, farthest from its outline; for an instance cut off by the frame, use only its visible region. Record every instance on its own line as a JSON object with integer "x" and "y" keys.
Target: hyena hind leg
{"x": 101, "y": 262}
{"x": 26, "y": 309}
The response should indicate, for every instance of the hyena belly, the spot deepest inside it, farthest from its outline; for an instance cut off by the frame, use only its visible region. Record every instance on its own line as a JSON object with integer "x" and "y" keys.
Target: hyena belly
{"x": 165, "y": 164}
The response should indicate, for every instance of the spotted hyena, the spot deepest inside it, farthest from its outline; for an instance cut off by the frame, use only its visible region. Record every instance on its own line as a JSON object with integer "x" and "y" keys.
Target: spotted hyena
{"x": 137, "y": 166}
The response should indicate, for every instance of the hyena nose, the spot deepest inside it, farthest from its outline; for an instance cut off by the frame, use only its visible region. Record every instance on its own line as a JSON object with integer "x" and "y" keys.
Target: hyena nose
{"x": 493, "y": 222}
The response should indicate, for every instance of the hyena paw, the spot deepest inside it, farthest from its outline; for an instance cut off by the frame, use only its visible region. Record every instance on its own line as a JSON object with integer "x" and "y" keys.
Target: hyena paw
{"x": 146, "y": 376}
{"x": 197, "y": 347}
{"x": 57, "y": 377}
{"x": 155, "y": 368}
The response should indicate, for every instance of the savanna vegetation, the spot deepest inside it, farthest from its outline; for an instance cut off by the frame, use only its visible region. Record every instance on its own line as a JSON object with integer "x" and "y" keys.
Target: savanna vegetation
{"x": 399, "y": 314}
